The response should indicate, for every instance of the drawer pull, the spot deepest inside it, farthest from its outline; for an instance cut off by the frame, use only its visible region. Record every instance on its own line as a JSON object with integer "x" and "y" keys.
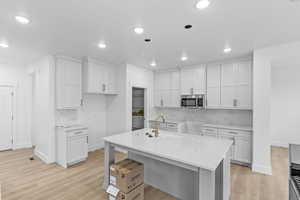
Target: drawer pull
{"x": 209, "y": 129}
{"x": 233, "y": 132}
{"x": 79, "y": 132}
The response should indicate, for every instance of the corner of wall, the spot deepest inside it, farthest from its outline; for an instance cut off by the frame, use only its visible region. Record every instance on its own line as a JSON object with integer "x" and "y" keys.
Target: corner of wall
{"x": 262, "y": 169}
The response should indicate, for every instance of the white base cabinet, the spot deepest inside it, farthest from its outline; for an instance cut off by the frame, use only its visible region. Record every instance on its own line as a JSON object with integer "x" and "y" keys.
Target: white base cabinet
{"x": 241, "y": 151}
{"x": 71, "y": 146}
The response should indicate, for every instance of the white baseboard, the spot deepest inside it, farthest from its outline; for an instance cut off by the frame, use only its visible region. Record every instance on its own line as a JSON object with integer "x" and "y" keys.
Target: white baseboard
{"x": 121, "y": 150}
{"x": 262, "y": 169}
{"x": 22, "y": 146}
{"x": 94, "y": 147}
{"x": 280, "y": 144}
{"x": 41, "y": 156}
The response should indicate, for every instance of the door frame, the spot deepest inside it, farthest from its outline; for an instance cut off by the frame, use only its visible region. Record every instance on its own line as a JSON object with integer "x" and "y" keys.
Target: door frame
{"x": 13, "y": 86}
{"x": 146, "y": 106}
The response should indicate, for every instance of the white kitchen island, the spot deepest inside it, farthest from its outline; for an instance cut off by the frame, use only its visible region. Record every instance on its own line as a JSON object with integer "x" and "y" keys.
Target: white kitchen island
{"x": 189, "y": 167}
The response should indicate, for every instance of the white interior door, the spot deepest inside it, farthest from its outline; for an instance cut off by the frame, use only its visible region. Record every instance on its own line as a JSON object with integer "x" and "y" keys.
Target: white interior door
{"x": 5, "y": 118}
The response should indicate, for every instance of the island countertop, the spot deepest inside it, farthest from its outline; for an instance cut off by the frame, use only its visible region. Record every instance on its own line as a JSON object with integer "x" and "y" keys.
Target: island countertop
{"x": 198, "y": 151}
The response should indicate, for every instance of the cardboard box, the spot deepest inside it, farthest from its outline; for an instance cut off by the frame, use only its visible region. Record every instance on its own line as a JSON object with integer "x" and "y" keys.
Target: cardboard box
{"x": 136, "y": 194}
{"x": 126, "y": 175}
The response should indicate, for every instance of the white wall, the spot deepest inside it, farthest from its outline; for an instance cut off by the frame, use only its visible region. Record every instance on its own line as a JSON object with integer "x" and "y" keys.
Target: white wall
{"x": 44, "y": 115}
{"x": 17, "y": 75}
{"x": 116, "y": 104}
{"x": 119, "y": 108}
{"x": 261, "y": 114}
{"x": 141, "y": 78}
{"x": 262, "y": 62}
{"x": 93, "y": 115}
{"x": 285, "y": 107}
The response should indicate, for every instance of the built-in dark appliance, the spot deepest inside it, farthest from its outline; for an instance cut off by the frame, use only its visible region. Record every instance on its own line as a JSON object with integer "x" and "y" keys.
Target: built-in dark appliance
{"x": 192, "y": 101}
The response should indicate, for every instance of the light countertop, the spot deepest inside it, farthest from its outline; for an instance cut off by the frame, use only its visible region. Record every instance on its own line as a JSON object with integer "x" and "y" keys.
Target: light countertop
{"x": 203, "y": 152}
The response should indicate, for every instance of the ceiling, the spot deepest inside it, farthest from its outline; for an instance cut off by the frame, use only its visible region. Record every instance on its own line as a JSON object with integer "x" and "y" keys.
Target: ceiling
{"x": 75, "y": 27}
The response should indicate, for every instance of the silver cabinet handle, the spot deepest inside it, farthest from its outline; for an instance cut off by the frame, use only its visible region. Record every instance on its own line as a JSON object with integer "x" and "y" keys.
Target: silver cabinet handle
{"x": 234, "y": 102}
{"x": 162, "y": 102}
{"x": 103, "y": 87}
{"x": 233, "y": 132}
{"x": 192, "y": 91}
{"x": 208, "y": 129}
{"x": 79, "y": 132}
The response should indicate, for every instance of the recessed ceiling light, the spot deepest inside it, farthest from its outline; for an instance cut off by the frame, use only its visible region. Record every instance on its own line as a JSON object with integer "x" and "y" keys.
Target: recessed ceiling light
{"x": 139, "y": 30}
{"x": 184, "y": 58}
{"x": 153, "y": 64}
{"x": 227, "y": 50}
{"x": 202, "y": 4}
{"x": 102, "y": 45}
{"x": 3, "y": 45}
{"x": 22, "y": 20}
{"x": 188, "y": 26}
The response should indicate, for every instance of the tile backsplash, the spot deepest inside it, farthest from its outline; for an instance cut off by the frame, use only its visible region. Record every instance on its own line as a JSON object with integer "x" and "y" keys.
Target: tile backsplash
{"x": 213, "y": 116}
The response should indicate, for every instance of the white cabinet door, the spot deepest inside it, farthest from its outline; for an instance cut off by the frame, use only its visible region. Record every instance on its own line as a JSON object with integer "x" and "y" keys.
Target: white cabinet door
{"x": 187, "y": 81}
{"x": 175, "y": 80}
{"x": 213, "y": 96}
{"x": 174, "y": 98}
{"x": 228, "y": 97}
{"x": 228, "y": 83}
{"x": 244, "y": 85}
{"x": 233, "y": 147}
{"x": 236, "y": 85}
{"x": 213, "y": 75}
{"x": 166, "y": 84}
{"x": 243, "y": 149}
{"x": 68, "y": 84}
{"x": 193, "y": 81}
{"x": 157, "y": 98}
{"x": 243, "y": 97}
{"x": 199, "y": 80}
{"x": 228, "y": 75}
{"x": 77, "y": 149}
{"x": 164, "y": 81}
{"x": 99, "y": 78}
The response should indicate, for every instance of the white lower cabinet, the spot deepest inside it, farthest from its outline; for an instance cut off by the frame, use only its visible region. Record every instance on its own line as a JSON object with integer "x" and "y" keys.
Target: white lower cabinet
{"x": 212, "y": 132}
{"x": 71, "y": 145}
{"x": 241, "y": 151}
{"x": 77, "y": 149}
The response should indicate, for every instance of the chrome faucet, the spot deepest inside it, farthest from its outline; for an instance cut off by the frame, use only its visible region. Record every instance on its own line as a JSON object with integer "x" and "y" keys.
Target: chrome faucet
{"x": 155, "y": 130}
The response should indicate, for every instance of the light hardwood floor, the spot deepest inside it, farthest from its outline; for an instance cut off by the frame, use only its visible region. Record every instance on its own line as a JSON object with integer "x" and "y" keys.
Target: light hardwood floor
{"x": 23, "y": 179}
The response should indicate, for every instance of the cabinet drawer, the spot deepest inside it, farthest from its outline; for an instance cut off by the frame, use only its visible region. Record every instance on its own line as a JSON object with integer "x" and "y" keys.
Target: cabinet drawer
{"x": 210, "y": 134}
{"x": 77, "y": 133}
{"x": 172, "y": 125}
{"x": 210, "y": 130}
{"x": 236, "y": 133}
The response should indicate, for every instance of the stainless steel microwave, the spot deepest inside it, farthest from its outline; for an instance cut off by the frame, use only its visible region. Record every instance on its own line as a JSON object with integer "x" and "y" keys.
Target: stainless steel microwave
{"x": 193, "y": 101}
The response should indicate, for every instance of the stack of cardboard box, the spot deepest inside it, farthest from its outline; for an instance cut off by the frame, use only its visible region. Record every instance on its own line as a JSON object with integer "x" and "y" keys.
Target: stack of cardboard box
{"x": 126, "y": 181}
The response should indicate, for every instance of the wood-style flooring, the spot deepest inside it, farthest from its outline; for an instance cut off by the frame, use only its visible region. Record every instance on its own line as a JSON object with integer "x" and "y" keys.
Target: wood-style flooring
{"x": 22, "y": 179}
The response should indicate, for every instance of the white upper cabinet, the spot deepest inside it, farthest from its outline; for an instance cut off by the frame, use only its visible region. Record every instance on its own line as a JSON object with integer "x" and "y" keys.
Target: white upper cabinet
{"x": 68, "y": 83}
{"x": 193, "y": 81}
{"x": 98, "y": 78}
{"x": 236, "y": 85}
{"x": 166, "y": 89}
{"x": 213, "y": 93}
